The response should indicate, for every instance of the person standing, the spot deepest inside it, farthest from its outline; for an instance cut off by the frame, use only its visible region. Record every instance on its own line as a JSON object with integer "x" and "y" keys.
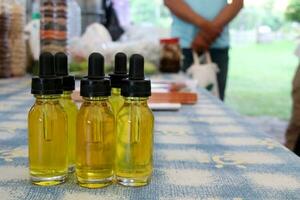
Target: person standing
{"x": 293, "y": 130}
{"x": 203, "y": 25}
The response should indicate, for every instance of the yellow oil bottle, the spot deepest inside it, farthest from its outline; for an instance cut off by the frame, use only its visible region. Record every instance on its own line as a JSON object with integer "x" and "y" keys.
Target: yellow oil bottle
{"x": 95, "y": 140}
{"x": 47, "y": 128}
{"x": 69, "y": 106}
{"x": 135, "y": 121}
{"x": 120, "y": 73}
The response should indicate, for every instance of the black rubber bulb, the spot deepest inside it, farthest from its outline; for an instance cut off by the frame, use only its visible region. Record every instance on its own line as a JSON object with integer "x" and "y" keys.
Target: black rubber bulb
{"x": 120, "y": 63}
{"x": 46, "y": 65}
{"x": 96, "y": 65}
{"x": 136, "y": 69}
{"x": 61, "y": 64}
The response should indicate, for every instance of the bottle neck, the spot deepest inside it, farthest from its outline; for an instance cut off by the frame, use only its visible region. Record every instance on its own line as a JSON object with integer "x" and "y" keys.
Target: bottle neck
{"x": 47, "y": 98}
{"x": 136, "y": 99}
{"x": 67, "y": 95}
{"x": 116, "y": 91}
{"x": 94, "y": 99}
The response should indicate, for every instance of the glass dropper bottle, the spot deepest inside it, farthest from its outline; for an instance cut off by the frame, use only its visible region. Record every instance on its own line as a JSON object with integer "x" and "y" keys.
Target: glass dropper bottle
{"x": 47, "y": 127}
{"x": 120, "y": 73}
{"x": 135, "y": 121}
{"x": 69, "y": 106}
{"x": 95, "y": 140}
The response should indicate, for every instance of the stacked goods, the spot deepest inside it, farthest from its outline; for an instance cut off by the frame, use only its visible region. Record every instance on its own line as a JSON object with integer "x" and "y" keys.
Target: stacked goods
{"x": 17, "y": 41}
{"x": 54, "y": 26}
{"x": 61, "y": 24}
{"x": 4, "y": 42}
{"x": 47, "y": 26}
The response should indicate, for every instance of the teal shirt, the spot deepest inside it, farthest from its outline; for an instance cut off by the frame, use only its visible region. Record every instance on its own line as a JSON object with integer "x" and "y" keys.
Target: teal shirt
{"x": 208, "y": 9}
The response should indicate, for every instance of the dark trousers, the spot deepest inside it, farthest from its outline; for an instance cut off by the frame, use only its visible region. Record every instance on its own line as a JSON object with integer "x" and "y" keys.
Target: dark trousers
{"x": 293, "y": 132}
{"x": 218, "y": 56}
{"x": 297, "y": 147}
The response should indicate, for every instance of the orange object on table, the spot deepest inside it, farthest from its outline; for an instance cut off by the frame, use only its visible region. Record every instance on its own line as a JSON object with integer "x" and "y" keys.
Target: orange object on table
{"x": 174, "y": 97}
{"x": 170, "y": 97}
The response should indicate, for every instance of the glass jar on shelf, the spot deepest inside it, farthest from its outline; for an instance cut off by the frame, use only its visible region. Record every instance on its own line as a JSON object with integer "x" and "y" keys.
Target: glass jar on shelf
{"x": 17, "y": 39}
{"x": 4, "y": 40}
{"x": 170, "y": 55}
{"x": 53, "y": 29}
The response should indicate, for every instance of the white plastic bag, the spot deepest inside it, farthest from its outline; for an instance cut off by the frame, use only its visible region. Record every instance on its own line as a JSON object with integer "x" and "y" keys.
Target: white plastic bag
{"x": 33, "y": 32}
{"x": 205, "y": 74}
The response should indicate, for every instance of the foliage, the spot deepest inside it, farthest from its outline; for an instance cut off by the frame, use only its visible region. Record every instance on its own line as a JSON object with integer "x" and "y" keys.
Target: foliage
{"x": 293, "y": 11}
{"x": 152, "y": 12}
{"x": 252, "y": 17}
{"x": 260, "y": 79}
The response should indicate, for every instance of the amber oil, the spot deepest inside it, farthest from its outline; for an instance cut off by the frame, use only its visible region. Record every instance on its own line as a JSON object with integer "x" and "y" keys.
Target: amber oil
{"x": 71, "y": 110}
{"x": 135, "y": 122}
{"x": 116, "y": 100}
{"x": 134, "y": 143}
{"x": 47, "y": 127}
{"x": 95, "y": 140}
{"x": 47, "y": 141}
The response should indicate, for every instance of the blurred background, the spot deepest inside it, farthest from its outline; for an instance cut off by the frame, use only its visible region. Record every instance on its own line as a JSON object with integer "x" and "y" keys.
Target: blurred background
{"x": 262, "y": 60}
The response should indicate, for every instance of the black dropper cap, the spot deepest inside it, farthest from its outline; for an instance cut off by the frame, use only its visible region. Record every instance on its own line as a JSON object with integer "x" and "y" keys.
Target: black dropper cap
{"x": 61, "y": 66}
{"x": 47, "y": 83}
{"x": 136, "y": 85}
{"x": 95, "y": 84}
{"x": 120, "y": 71}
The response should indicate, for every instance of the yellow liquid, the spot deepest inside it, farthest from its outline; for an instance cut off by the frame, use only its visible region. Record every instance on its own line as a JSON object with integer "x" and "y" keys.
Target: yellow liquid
{"x": 47, "y": 141}
{"x": 71, "y": 109}
{"x": 95, "y": 143}
{"x": 116, "y": 100}
{"x": 134, "y": 159}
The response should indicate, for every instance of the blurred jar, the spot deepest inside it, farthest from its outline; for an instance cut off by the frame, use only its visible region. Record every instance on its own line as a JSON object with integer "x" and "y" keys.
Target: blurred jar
{"x": 4, "y": 40}
{"x": 54, "y": 26}
{"x": 47, "y": 25}
{"x": 35, "y": 10}
{"x": 170, "y": 55}
{"x": 16, "y": 38}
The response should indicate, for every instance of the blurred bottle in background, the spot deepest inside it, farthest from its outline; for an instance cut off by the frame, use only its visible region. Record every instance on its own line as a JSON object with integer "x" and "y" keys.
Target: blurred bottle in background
{"x": 16, "y": 38}
{"x": 35, "y": 9}
{"x": 61, "y": 26}
{"x": 4, "y": 40}
{"x": 47, "y": 25}
{"x": 74, "y": 20}
{"x": 54, "y": 26}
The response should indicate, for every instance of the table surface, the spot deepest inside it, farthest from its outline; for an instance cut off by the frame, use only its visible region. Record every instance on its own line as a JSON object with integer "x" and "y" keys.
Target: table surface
{"x": 205, "y": 151}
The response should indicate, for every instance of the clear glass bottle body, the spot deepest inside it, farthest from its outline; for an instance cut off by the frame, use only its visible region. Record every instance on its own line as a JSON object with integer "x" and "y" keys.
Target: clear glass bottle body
{"x": 71, "y": 110}
{"x": 48, "y": 141}
{"x": 134, "y": 150}
{"x": 116, "y": 100}
{"x": 95, "y": 143}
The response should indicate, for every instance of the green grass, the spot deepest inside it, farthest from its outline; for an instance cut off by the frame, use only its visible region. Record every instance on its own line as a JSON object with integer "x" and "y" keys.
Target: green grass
{"x": 260, "y": 79}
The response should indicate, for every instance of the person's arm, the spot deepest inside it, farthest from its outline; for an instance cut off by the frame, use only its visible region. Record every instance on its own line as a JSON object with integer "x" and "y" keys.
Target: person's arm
{"x": 183, "y": 11}
{"x": 204, "y": 39}
{"x": 229, "y": 13}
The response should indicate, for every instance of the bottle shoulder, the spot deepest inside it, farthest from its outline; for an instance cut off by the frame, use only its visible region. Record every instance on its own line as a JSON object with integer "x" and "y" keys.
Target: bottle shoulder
{"x": 132, "y": 109}
{"x": 101, "y": 109}
{"x": 48, "y": 110}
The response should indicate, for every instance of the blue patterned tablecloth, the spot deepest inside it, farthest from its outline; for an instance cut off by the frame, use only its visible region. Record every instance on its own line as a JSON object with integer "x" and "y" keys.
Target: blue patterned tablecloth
{"x": 205, "y": 151}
